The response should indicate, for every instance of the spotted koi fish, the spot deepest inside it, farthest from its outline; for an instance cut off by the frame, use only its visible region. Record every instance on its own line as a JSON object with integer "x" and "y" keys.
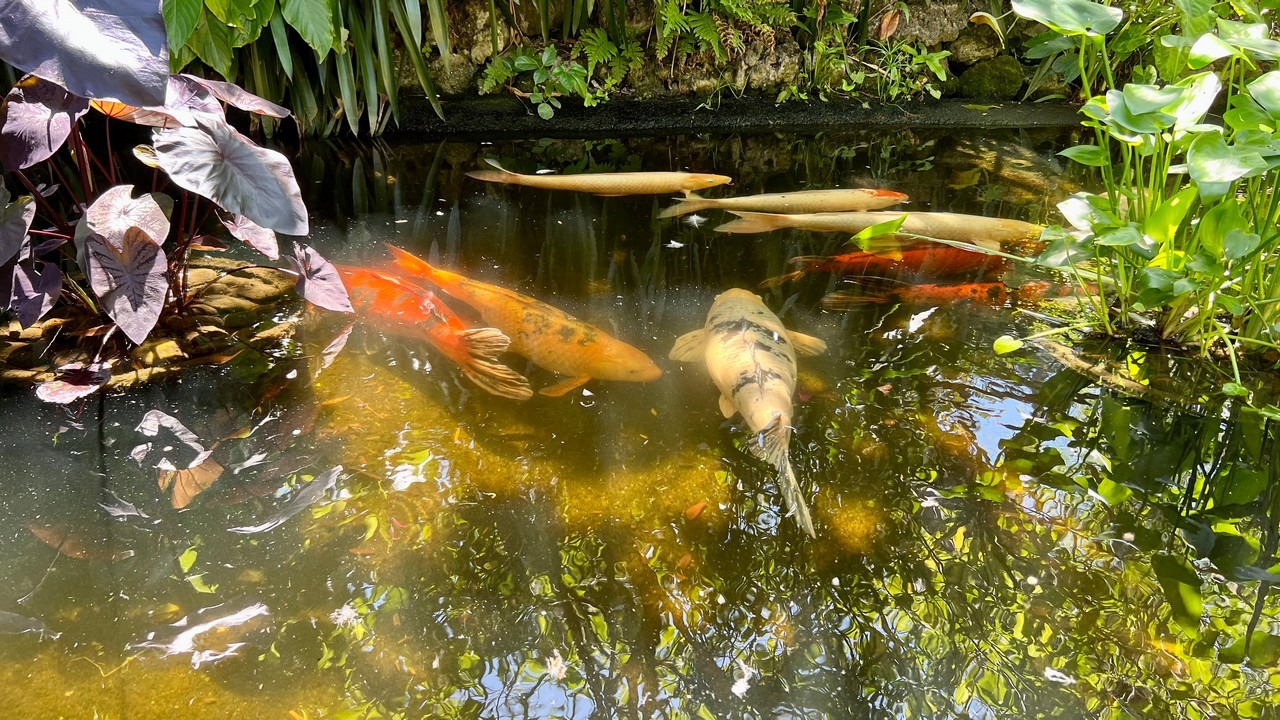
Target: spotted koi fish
{"x": 800, "y": 201}
{"x": 550, "y": 337}
{"x": 752, "y": 360}
{"x": 606, "y": 184}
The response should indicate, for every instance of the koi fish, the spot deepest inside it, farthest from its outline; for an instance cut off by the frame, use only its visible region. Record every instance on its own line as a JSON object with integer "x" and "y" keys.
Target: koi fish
{"x": 405, "y": 309}
{"x": 994, "y": 294}
{"x": 801, "y": 201}
{"x": 752, "y": 359}
{"x": 986, "y": 232}
{"x": 929, "y": 260}
{"x": 550, "y": 337}
{"x": 606, "y": 184}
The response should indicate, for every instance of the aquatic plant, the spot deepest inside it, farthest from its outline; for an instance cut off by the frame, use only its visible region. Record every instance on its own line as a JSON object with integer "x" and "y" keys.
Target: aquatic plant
{"x": 1185, "y": 235}
{"x": 92, "y": 236}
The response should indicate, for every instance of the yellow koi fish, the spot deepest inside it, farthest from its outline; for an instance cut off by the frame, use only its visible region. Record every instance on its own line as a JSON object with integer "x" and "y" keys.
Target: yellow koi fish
{"x": 752, "y": 359}
{"x": 974, "y": 229}
{"x": 551, "y": 338}
{"x": 606, "y": 184}
{"x": 800, "y": 201}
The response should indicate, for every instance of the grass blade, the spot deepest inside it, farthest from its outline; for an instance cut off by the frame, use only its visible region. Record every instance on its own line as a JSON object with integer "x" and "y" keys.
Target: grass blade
{"x": 440, "y": 29}
{"x": 347, "y": 89}
{"x": 368, "y": 68}
{"x": 414, "y": 51}
{"x": 280, "y": 36}
{"x": 386, "y": 62}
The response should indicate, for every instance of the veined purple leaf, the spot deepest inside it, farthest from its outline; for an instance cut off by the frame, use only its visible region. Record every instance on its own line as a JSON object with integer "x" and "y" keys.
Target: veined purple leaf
{"x": 236, "y": 96}
{"x": 318, "y": 280}
{"x": 116, "y": 210}
{"x": 216, "y": 161}
{"x": 94, "y": 48}
{"x": 15, "y": 221}
{"x": 130, "y": 280}
{"x": 74, "y": 381}
{"x": 35, "y": 287}
{"x": 36, "y": 121}
{"x": 256, "y": 236}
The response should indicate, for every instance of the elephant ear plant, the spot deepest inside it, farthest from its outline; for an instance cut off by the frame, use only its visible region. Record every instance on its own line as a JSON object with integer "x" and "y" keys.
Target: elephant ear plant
{"x": 117, "y": 251}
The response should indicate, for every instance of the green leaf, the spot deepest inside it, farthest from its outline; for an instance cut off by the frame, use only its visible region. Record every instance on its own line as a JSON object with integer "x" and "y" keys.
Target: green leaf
{"x": 403, "y": 23}
{"x": 1006, "y": 344}
{"x": 313, "y": 19}
{"x": 1112, "y": 493}
{"x": 1119, "y": 113}
{"x": 187, "y": 559}
{"x": 1149, "y": 98}
{"x": 525, "y": 63}
{"x": 347, "y": 90}
{"x": 1233, "y": 389}
{"x": 230, "y": 12}
{"x": 1048, "y": 43}
{"x": 882, "y": 229}
{"x": 1208, "y": 48}
{"x": 280, "y": 38}
{"x": 1163, "y": 222}
{"x": 545, "y": 111}
{"x": 1181, "y": 587}
{"x": 180, "y": 19}
{"x": 1211, "y": 160}
{"x": 1237, "y": 243}
{"x": 1071, "y": 17}
{"x": 1197, "y": 16}
{"x": 549, "y": 56}
{"x": 1120, "y": 237}
{"x": 197, "y": 582}
{"x": 1091, "y": 155}
{"x": 211, "y": 42}
{"x": 1266, "y": 91}
{"x": 440, "y": 30}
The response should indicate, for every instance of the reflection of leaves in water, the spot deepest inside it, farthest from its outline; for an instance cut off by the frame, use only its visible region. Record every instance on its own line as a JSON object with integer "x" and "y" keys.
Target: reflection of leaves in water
{"x": 187, "y": 483}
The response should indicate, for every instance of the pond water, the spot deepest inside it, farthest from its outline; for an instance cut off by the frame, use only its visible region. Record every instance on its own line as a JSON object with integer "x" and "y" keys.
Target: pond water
{"x": 997, "y": 535}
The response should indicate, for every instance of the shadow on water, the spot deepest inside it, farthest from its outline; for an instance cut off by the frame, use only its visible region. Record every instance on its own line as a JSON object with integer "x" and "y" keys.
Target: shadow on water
{"x": 998, "y": 536}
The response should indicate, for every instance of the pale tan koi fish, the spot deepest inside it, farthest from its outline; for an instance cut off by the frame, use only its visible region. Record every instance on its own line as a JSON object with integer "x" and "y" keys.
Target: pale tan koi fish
{"x": 606, "y": 184}
{"x": 956, "y": 227}
{"x": 752, "y": 360}
{"x": 800, "y": 201}
{"x": 550, "y": 337}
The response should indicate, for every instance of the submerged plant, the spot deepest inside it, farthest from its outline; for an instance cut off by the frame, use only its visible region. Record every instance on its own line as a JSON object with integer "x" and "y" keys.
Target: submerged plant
{"x": 91, "y": 235}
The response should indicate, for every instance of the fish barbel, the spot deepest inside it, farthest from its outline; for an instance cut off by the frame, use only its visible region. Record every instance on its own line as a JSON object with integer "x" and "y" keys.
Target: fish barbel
{"x": 606, "y": 184}
{"x": 550, "y": 337}
{"x": 987, "y": 232}
{"x": 800, "y": 201}
{"x": 408, "y": 310}
{"x": 751, "y": 358}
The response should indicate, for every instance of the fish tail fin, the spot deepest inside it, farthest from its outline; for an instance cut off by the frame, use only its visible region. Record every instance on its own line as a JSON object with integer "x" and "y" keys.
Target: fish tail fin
{"x": 774, "y": 447}
{"x": 411, "y": 263}
{"x": 798, "y": 267}
{"x": 690, "y": 204}
{"x": 782, "y": 279}
{"x": 842, "y": 300}
{"x": 478, "y": 360}
{"x": 750, "y": 222}
{"x": 497, "y": 174}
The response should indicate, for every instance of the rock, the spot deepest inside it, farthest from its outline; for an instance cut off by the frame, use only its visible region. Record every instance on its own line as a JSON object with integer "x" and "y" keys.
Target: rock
{"x": 996, "y": 79}
{"x": 471, "y": 31}
{"x": 771, "y": 63}
{"x": 933, "y": 23}
{"x": 453, "y": 80}
{"x": 974, "y": 44}
{"x": 640, "y": 16}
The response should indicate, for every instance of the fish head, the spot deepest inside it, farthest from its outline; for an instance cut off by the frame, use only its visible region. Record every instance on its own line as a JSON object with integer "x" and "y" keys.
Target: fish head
{"x": 736, "y": 294}
{"x": 890, "y": 196}
{"x": 699, "y": 181}
{"x": 625, "y": 363}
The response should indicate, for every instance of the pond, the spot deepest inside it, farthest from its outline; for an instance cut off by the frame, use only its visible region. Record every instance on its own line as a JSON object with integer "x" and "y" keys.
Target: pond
{"x": 997, "y": 535}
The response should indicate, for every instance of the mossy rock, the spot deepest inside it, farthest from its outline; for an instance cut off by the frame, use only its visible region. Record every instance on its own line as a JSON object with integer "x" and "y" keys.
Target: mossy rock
{"x": 999, "y": 78}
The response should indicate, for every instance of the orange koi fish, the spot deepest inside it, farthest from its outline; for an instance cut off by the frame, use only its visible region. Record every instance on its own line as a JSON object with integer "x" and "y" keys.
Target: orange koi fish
{"x": 551, "y": 338}
{"x": 606, "y": 184}
{"x": 928, "y": 260}
{"x": 407, "y": 310}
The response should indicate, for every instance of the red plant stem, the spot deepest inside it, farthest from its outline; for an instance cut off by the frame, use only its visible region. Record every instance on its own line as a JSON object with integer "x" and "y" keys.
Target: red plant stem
{"x": 81, "y": 156}
{"x": 49, "y": 210}
{"x": 111, "y": 158}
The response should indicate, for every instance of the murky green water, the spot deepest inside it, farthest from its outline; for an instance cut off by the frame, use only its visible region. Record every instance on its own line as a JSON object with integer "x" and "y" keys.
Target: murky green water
{"x": 998, "y": 536}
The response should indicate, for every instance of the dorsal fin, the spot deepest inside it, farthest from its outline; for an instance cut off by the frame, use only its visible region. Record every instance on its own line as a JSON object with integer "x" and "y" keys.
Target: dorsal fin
{"x": 690, "y": 346}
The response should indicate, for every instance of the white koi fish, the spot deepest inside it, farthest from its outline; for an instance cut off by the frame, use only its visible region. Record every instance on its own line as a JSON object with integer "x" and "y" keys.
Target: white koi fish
{"x": 752, "y": 359}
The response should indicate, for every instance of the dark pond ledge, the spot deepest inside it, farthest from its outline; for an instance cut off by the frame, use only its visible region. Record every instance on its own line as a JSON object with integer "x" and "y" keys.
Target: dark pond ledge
{"x": 508, "y": 117}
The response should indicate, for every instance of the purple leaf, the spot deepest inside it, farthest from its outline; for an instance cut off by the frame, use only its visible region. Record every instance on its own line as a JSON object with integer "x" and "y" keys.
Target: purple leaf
{"x": 36, "y": 121}
{"x": 116, "y": 210}
{"x": 15, "y": 221}
{"x": 258, "y": 237}
{"x": 130, "y": 280}
{"x": 94, "y": 48}
{"x": 74, "y": 381}
{"x": 35, "y": 288}
{"x": 216, "y": 161}
{"x": 237, "y": 96}
{"x": 318, "y": 280}
{"x": 335, "y": 346}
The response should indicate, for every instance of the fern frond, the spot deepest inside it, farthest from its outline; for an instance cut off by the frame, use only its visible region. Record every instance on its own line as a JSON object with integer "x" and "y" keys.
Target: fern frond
{"x": 704, "y": 28}
{"x": 598, "y": 48}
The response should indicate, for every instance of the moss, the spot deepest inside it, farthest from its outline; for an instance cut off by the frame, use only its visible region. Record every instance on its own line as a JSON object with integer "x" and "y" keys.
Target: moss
{"x": 995, "y": 79}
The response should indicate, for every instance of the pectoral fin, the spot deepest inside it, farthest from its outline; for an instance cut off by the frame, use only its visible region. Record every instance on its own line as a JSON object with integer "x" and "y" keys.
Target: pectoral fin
{"x": 689, "y": 347}
{"x": 726, "y": 406}
{"x": 806, "y": 344}
{"x": 567, "y": 386}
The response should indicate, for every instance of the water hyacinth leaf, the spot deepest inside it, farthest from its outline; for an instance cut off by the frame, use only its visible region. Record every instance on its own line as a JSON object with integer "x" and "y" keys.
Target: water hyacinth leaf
{"x": 74, "y": 381}
{"x": 255, "y": 236}
{"x": 305, "y": 497}
{"x": 238, "y": 97}
{"x": 180, "y": 18}
{"x": 1122, "y": 115}
{"x": 1181, "y": 587}
{"x": 113, "y": 49}
{"x": 1071, "y": 17}
{"x": 1211, "y": 160}
{"x": 1090, "y": 155}
{"x": 1149, "y": 98}
{"x": 36, "y": 120}
{"x": 1266, "y": 91}
{"x": 217, "y": 162}
{"x": 1048, "y": 43}
{"x": 1163, "y": 222}
{"x": 1085, "y": 211}
{"x": 1208, "y": 48}
{"x": 1200, "y": 91}
{"x": 34, "y": 289}
{"x": 318, "y": 280}
{"x": 1237, "y": 243}
{"x": 15, "y": 221}
{"x": 313, "y": 19}
{"x": 130, "y": 280}
{"x": 1197, "y": 16}
{"x": 1120, "y": 237}
{"x": 1006, "y": 344}
{"x": 116, "y": 210}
